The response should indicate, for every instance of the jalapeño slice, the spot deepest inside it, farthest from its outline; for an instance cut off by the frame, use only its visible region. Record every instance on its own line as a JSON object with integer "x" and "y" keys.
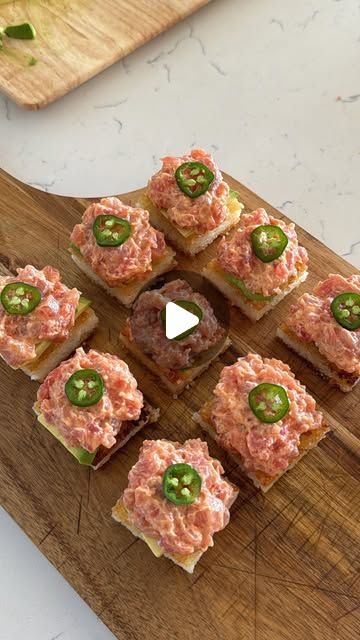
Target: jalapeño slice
{"x": 84, "y": 388}
{"x": 20, "y": 298}
{"x": 111, "y": 231}
{"x": 269, "y": 402}
{"x": 194, "y": 178}
{"x": 181, "y": 483}
{"x": 188, "y": 305}
{"x": 346, "y": 310}
{"x": 268, "y": 242}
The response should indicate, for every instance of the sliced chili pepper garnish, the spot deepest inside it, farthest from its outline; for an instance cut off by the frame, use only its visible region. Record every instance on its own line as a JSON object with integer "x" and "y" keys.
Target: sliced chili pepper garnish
{"x": 268, "y": 242}
{"x": 346, "y": 310}
{"x": 269, "y": 402}
{"x": 20, "y": 298}
{"x": 188, "y": 305}
{"x": 84, "y": 388}
{"x": 181, "y": 483}
{"x": 194, "y": 178}
{"x": 111, "y": 231}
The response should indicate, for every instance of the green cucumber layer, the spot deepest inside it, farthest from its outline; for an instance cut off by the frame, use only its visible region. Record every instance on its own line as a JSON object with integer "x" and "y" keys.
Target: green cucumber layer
{"x": 75, "y": 248}
{"x": 84, "y": 303}
{"x": 250, "y": 295}
{"x": 81, "y": 455}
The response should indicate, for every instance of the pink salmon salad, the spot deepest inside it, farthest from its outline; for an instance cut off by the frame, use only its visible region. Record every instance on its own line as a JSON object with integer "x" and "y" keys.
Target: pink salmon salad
{"x": 311, "y": 319}
{"x": 130, "y": 261}
{"x": 269, "y": 448}
{"x": 52, "y": 319}
{"x": 201, "y": 214}
{"x": 97, "y": 425}
{"x": 180, "y": 529}
{"x": 236, "y": 256}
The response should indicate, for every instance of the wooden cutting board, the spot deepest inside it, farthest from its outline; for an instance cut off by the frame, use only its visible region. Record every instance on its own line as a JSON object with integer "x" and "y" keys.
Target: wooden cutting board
{"x": 287, "y": 566}
{"x": 76, "y": 39}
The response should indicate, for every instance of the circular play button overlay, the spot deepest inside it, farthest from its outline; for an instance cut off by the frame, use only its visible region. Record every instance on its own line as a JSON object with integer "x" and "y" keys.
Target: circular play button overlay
{"x": 193, "y": 322}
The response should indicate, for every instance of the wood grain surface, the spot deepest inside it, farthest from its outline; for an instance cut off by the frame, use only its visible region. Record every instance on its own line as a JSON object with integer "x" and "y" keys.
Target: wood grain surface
{"x": 76, "y": 39}
{"x": 286, "y": 568}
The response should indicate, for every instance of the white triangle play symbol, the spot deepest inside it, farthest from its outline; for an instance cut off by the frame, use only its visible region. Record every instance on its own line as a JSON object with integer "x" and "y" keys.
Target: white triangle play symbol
{"x": 178, "y": 320}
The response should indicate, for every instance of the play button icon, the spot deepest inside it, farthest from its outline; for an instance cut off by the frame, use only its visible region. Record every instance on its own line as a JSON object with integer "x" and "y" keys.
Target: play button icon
{"x": 181, "y": 318}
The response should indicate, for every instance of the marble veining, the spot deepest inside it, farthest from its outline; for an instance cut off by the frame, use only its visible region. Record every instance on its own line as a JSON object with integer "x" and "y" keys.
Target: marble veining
{"x": 273, "y": 90}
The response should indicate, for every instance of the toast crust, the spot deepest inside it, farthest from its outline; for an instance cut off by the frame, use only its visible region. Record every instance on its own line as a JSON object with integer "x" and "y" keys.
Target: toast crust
{"x": 261, "y": 480}
{"x": 173, "y": 380}
{"x": 188, "y": 563}
{"x": 148, "y": 415}
{"x": 343, "y": 379}
{"x": 127, "y": 293}
{"x": 253, "y": 309}
{"x": 194, "y": 243}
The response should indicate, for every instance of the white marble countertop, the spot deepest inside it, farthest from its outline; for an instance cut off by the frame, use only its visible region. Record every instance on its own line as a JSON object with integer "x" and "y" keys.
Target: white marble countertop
{"x": 273, "y": 90}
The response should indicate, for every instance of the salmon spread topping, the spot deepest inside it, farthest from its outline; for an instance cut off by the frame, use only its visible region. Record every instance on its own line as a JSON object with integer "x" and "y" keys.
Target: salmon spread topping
{"x": 312, "y": 320}
{"x": 237, "y": 257}
{"x": 140, "y": 244}
{"x": 52, "y": 318}
{"x": 200, "y": 214}
{"x": 149, "y": 334}
{"x": 181, "y": 529}
{"x": 89, "y": 427}
{"x": 266, "y": 447}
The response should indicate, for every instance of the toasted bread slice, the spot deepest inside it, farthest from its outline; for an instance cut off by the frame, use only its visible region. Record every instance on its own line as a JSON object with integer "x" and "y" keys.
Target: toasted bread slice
{"x": 188, "y": 563}
{"x": 128, "y": 430}
{"x": 186, "y": 241}
{"x": 84, "y": 326}
{"x": 253, "y": 309}
{"x": 343, "y": 379}
{"x": 127, "y": 293}
{"x": 173, "y": 380}
{"x": 260, "y": 479}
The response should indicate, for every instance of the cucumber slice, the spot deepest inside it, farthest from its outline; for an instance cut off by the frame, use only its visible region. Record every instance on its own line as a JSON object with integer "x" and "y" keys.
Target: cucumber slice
{"x": 250, "y": 295}
{"x": 84, "y": 303}
{"x": 81, "y": 455}
{"x": 75, "y": 248}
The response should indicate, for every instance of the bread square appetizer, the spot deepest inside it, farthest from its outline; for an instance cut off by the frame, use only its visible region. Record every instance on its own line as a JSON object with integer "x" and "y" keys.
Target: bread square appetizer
{"x": 324, "y": 328}
{"x": 41, "y": 320}
{"x": 116, "y": 246}
{"x": 177, "y": 362}
{"x": 263, "y": 417}
{"x": 92, "y": 405}
{"x": 259, "y": 265}
{"x": 176, "y": 500}
{"x": 189, "y": 201}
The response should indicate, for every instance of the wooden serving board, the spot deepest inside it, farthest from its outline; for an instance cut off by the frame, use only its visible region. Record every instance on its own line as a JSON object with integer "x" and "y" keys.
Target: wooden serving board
{"x": 287, "y": 566}
{"x": 76, "y": 39}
